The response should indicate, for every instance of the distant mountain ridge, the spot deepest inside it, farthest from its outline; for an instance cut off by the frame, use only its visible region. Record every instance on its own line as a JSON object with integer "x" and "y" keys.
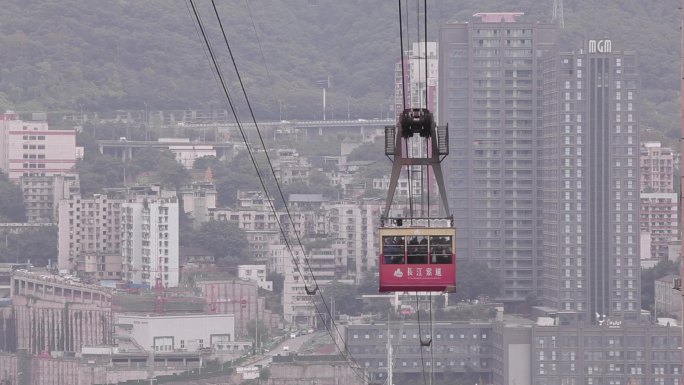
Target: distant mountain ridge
{"x": 67, "y": 55}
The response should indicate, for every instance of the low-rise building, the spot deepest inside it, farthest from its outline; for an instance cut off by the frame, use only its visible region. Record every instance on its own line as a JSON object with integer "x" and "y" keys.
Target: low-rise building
{"x": 668, "y": 300}
{"x": 656, "y": 166}
{"x": 318, "y": 370}
{"x": 237, "y": 297}
{"x": 290, "y": 168}
{"x": 43, "y": 193}
{"x": 255, "y": 273}
{"x": 56, "y": 313}
{"x": 198, "y": 200}
{"x": 610, "y": 353}
{"x": 457, "y": 348}
{"x": 170, "y": 333}
{"x": 658, "y": 217}
{"x": 30, "y": 148}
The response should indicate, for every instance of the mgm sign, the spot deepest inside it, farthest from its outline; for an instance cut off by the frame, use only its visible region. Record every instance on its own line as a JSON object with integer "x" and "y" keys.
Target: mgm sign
{"x": 600, "y": 46}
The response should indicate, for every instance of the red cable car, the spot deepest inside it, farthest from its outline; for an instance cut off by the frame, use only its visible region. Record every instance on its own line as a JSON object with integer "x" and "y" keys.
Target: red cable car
{"x": 417, "y": 258}
{"x": 417, "y": 254}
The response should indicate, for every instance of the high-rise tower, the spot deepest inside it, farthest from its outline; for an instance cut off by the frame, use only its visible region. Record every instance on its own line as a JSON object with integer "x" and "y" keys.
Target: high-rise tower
{"x": 590, "y": 158}
{"x": 490, "y": 95}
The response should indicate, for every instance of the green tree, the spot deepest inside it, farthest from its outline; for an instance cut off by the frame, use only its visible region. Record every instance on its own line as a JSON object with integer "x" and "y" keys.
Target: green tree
{"x": 252, "y": 329}
{"x": 369, "y": 283}
{"x": 648, "y": 278}
{"x": 474, "y": 279}
{"x": 227, "y": 187}
{"x": 205, "y": 162}
{"x": 171, "y": 173}
{"x": 98, "y": 172}
{"x": 224, "y": 239}
{"x": 36, "y": 245}
{"x": 264, "y": 374}
{"x": 278, "y": 282}
{"x": 12, "y": 208}
{"x": 347, "y": 298}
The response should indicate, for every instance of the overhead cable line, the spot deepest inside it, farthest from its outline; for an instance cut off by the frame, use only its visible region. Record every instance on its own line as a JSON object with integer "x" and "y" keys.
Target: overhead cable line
{"x": 346, "y": 353}
{"x": 261, "y": 50}
{"x": 316, "y": 288}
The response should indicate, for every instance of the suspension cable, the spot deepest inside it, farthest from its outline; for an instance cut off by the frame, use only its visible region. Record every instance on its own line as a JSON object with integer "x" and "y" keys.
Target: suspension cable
{"x": 346, "y": 353}
{"x": 420, "y": 340}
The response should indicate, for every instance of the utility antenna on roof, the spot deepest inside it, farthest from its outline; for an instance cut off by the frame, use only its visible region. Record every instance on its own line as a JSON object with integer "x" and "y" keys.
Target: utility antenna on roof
{"x": 558, "y": 13}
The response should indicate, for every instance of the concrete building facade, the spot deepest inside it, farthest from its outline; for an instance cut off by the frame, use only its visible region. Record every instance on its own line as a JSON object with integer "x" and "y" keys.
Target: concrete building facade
{"x": 43, "y": 193}
{"x": 612, "y": 353}
{"x": 237, "y": 297}
{"x": 29, "y": 148}
{"x": 170, "y": 333}
{"x": 55, "y": 313}
{"x": 668, "y": 300}
{"x": 590, "y": 175}
{"x": 417, "y": 88}
{"x": 314, "y": 370}
{"x": 657, "y": 165}
{"x": 490, "y": 96}
{"x": 659, "y": 219}
{"x": 354, "y": 226}
{"x": 149, "y": 238}
{"x": 255, "y": 273}
{"x": 198, "y": 200}
{"x": 90, "y": 236}
{"x": 457, "y": 348}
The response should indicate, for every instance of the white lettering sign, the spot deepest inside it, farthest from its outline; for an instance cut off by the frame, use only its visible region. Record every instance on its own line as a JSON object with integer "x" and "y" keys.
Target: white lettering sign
{"x": 404, "y": 273}
{"x": 603, "y": 320}
{"x": 613, "y": 323}
{"x": 600, "y": 46}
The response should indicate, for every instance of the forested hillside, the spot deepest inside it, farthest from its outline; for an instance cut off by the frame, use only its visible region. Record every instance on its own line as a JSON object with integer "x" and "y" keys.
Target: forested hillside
{"x": 66, "y": 55}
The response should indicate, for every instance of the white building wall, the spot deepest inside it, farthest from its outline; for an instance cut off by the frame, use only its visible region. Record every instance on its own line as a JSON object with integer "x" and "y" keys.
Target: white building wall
{"x": 182, "y": 332}
{"x": 87, "y": 226}
{"x": 29, "y": 148}
{"x": 187, "y": 154}
{"x": 659, "y": 217}
{"x": 255, "y": 273}
{"x": 150, "y": 241}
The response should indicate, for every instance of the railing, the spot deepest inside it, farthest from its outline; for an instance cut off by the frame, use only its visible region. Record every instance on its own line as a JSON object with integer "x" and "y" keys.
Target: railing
{"x": 392, "y": 222}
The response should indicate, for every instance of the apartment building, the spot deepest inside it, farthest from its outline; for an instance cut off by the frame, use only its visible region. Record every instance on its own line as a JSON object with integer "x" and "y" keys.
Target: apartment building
{"x": 30, "y": 148}
{"x": 609, "y": 353}
{"x": 656, "y": 166}
{"x": 198, "y": 200}
{"x": 254, "y": 215}
{"x": 290, "y": 168}
{"x": 415, "y": 85}
{"x": 43, "y": 193}
{"x": 149, "y": 239}
{"x": 457, "y": 348}
{"x": 590, "y": 168}
{"x": 90, "y": 236}
{"x": 255, "y": 273}
{"x": 490, "y": 96}
{"x": 659, "y": 222}
{"x": 354, "y": 227}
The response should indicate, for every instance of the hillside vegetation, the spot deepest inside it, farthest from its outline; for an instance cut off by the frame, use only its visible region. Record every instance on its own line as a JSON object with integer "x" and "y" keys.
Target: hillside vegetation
{"x": 67, "y": 55}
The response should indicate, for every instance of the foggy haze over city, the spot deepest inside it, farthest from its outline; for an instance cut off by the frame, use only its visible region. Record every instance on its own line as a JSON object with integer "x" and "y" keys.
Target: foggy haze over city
{"x": 320, "y": 192}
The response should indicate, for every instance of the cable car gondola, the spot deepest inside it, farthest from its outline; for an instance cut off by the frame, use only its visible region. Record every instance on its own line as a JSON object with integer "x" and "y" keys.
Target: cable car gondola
{"x": 416, "y": 258}
{"x": 417, "y": 254}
